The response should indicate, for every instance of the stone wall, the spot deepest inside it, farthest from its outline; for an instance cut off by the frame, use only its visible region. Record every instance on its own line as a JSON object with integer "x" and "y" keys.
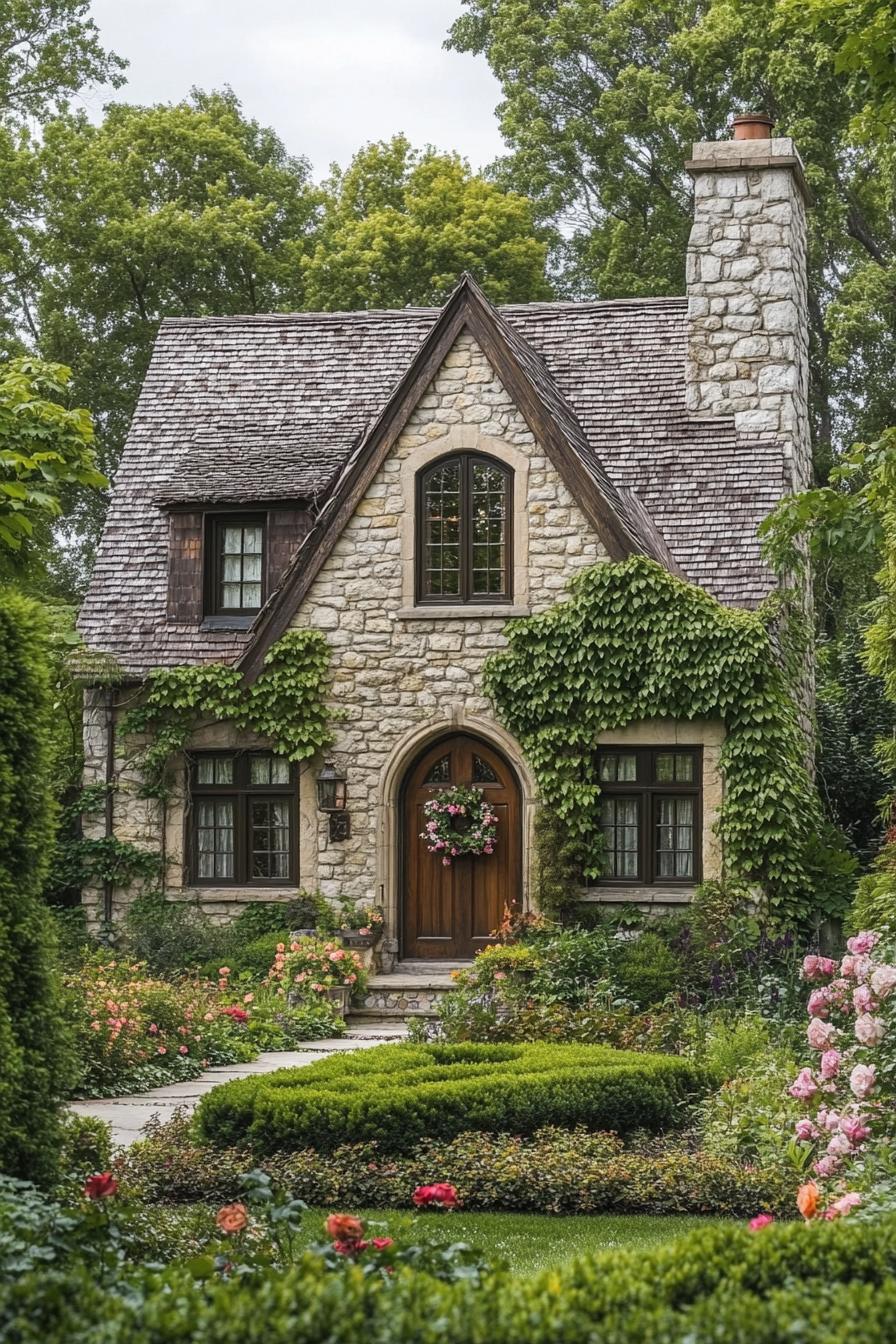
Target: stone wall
{"x": 748, "y": 337}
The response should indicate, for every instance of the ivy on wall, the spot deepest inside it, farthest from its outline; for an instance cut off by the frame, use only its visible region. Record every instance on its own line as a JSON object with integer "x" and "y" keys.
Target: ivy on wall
{"x": 284, "y": 704}
{"x": 634, "y": 642}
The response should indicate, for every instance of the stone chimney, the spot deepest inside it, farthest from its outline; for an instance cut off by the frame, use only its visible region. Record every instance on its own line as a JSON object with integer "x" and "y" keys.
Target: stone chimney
{"x": 748, "y": 338}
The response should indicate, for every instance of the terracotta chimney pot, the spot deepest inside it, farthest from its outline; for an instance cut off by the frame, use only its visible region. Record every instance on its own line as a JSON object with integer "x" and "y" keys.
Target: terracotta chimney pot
{"x": 752, "y": 126}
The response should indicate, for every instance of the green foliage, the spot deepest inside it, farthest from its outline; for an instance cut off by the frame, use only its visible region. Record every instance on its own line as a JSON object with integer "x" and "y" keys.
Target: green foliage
{"x": 400, "y": 1094}
{"x": 633, "y": 642}
{"x": 557, "y": 869}
{"x": 284, "y": 704}
{"x": 557, "y": 1171}
{"x": 718, "y": 1283}
{"x": 86, "y": 1146}
{"x": 171, "y": 936}
{"x": 874, "y": 906}
{"x": 646, "y": 969}
{"x": 33, "y": 1046}
{"x": 250, "y": 960}
{"x": 45, "y": 448}
{"x": 50, "y": 50}
{"x": 399, "y": 226}
{"x": 601, "y": 103}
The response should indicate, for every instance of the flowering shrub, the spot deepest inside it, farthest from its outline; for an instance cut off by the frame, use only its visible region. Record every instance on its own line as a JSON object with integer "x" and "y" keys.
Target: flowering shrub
{"x": 459, "y": 821}
{"x": 361, "y": 918}
{"x": 133, "y": 1031}
{"x": 848, "y": 1089}
{"x": 311, "y": 966}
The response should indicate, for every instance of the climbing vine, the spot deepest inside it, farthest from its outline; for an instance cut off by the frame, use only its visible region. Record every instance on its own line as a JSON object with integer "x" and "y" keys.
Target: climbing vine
{"x": 285, "y": 704}
{"x": 634, "y": 642}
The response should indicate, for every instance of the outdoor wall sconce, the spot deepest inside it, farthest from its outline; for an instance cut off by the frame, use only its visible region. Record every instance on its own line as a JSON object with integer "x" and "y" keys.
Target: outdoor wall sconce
{"x": 331, "y": 798}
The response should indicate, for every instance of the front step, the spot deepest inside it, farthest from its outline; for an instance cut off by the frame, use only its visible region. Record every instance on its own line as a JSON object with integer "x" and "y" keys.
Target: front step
{"x": 403, "y": 993}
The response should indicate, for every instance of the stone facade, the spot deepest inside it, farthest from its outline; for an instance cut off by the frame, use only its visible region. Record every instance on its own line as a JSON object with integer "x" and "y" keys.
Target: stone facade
{"x": 748, "y": 338}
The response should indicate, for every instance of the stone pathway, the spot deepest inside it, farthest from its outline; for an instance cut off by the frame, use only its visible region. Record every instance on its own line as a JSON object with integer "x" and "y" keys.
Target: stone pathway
{"x": 128, "y": 1115}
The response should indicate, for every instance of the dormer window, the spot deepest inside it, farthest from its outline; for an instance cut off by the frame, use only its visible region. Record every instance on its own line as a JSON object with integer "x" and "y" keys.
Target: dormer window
{"x": 236, "y": 571}
{"x": 463, "y": 531}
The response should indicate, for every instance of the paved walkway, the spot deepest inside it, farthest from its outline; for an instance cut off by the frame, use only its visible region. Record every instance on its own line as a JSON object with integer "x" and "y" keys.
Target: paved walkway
{"x": 128, "y": 1115}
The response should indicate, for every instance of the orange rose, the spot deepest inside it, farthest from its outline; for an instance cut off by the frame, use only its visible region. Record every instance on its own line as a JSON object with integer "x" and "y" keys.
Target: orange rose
{"x": 807, "y": 1200}
{"x": 343, "y": 1227}
{"x": 232, "y": 1218}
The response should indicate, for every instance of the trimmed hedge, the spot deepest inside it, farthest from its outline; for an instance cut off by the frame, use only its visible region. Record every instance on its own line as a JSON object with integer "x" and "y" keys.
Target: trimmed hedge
{"x": 821, "y": 1281}
{"x": 36, "y": 1063}
{"x": 400, "y": 1094}
{"x": 559, "y": 1171}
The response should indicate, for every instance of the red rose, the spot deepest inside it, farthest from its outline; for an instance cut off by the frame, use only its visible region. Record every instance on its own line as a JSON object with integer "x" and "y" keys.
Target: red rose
{"x": 441, "y": 1194}
{"x": 382, "y": 1243}
{"x": 343, "y": 1227}
{"x": 100, "y": 1186}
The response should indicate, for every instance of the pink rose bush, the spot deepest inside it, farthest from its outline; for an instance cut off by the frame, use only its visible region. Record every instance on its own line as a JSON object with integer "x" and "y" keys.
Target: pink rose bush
{"x": 311, "y": 966}
{"x": 849, "y": 1021}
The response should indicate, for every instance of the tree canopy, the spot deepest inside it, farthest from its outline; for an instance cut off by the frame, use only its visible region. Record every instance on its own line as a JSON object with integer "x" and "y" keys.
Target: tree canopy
{"x": 49, "y": 49}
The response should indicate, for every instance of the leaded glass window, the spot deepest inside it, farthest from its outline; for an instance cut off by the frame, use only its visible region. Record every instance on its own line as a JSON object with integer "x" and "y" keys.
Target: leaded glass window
{"x": 650, "y": 814}
{"x": 463, "y": 531}
{"x": 238, "y": 571}
{"x": 243, "y": 807}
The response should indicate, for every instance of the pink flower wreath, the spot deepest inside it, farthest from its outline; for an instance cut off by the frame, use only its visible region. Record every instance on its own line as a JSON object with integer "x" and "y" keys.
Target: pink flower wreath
{"x": 459, "y": 821}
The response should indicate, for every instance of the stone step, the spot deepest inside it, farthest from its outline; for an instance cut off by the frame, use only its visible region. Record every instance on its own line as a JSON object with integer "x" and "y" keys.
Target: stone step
{"x": 430, "y": 967}
{"x": 399, "y": 994}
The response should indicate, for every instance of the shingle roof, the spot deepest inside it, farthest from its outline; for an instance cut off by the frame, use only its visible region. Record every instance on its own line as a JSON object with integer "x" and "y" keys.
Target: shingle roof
{"x": 252, "y": 408}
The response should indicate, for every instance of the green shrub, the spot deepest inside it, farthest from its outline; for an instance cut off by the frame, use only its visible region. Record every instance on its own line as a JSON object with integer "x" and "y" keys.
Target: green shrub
{"x": 826, "y": 1281}
{"x": 552, "y": 1171}
{"x": 35, "y": 1061}
{"x": 251, "y": 959}
{"x": 171, "y": 936}
{"x": 647, "y": 970}
{"x": 86, "y": 1146}
{"x": 400, "y": 1094}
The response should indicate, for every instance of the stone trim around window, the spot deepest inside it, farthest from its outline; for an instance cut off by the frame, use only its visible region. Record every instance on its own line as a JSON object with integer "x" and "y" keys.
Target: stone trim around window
{"x": 465, "y": 439}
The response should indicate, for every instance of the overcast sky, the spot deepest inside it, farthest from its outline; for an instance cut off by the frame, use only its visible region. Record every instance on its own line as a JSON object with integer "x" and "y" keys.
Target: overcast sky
{"x": 328, "y": 75}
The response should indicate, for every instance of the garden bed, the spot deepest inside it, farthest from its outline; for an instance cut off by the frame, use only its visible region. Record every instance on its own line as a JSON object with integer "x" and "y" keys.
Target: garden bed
{"x": 400, "y": 1094}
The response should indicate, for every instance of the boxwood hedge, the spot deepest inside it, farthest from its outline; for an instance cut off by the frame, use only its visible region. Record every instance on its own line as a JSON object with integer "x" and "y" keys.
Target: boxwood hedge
{"x": 807, "y": 1283}
{"x": 400, "y": 1094}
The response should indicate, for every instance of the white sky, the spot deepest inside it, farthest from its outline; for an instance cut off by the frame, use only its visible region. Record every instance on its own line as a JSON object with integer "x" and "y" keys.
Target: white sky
{"x": 327, "y": 75}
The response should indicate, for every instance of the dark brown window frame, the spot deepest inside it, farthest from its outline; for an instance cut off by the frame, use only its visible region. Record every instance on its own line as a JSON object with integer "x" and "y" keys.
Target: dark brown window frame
{"x": 465, "y": 597}
{"x": 648, "y": 792}
{"x": 214, "y": 525}
{"x": 242, "y": 791}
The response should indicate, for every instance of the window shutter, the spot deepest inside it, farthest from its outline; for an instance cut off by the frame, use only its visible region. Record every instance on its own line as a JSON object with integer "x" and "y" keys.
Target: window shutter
{"x": 185, "y": 568}
{"x": 287, "y": 529}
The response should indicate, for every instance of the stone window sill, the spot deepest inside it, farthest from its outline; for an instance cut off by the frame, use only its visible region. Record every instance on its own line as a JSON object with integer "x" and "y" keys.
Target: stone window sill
{"x": 638, "y": 895}
{"x": 460, "y": 613}
{"x": 242, "y": 895}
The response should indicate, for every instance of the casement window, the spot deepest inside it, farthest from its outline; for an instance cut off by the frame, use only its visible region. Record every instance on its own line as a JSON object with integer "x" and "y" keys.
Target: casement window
{"x": 236, "y": 572}
{"x": 242, "y": 819}
{"x": 650, "y": 815}
{"x": 463, "y": 534}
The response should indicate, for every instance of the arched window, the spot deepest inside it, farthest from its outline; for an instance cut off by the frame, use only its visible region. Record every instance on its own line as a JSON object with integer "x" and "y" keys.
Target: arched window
{"x": 463, "y": 531}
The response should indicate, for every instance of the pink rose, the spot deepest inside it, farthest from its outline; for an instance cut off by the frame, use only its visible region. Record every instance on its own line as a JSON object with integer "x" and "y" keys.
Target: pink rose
{"x": 804, "y": 1086}
{"x": 805, "y": 1131}
{"x": 812, "y": 968}
{"x": 828, "y": 1120}
{"x": 862, "y": 1080}
{"x": 839, "y": 1146}
{"x": 883, "y": 981}
{"x": 830, "y": 1063}
{"x": 847, "y": 967}
{"x": 844, "y": 1205}
{"x": 862, "y": 943}
{"x": 862, "y": 999}
{"x": 760, "y": 1221}
{"x": 869, "y": 1030}
{"x": 820, "y": 1034}
{"x": 855, "y": 1129}
{"x": 819, "y": 1003}
{"x": 826, "y": 1166}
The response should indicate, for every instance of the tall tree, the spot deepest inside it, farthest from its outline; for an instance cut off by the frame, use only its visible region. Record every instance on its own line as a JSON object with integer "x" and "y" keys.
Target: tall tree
{"x": 49, "y": 49}
{"x": 601, "y": 101}
{"x": 400, "y": 225}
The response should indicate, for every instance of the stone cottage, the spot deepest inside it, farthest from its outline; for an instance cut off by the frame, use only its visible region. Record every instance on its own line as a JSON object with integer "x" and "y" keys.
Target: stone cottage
{"x": 407, "y": 481}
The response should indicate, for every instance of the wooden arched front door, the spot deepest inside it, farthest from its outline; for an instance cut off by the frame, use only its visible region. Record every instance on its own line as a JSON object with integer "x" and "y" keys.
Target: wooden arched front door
{"x": 449, "y": 913}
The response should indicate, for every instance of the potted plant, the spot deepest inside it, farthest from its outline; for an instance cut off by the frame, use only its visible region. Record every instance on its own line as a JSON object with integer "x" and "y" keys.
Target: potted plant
{"x": 309, "y": 915}
{"x": 360, "y": 926}
{"x": 312, "y": 966}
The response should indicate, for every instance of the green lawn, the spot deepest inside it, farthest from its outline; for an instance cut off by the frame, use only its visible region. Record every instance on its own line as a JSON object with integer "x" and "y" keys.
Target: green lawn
{"x": 530, "y": 1241}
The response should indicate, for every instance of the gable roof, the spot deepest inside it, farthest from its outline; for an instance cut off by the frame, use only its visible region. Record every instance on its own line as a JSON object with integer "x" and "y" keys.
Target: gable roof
{"x": 248, "y": 409}
{"x": 623, "y": 529}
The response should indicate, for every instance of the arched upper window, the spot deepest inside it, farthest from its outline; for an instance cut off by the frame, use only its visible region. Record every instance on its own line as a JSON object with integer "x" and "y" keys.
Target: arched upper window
{"x": 463, "y": 550}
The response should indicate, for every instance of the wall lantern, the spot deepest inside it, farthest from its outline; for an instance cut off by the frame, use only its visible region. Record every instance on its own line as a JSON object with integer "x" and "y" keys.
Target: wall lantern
{"x": 331, "y": 798}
